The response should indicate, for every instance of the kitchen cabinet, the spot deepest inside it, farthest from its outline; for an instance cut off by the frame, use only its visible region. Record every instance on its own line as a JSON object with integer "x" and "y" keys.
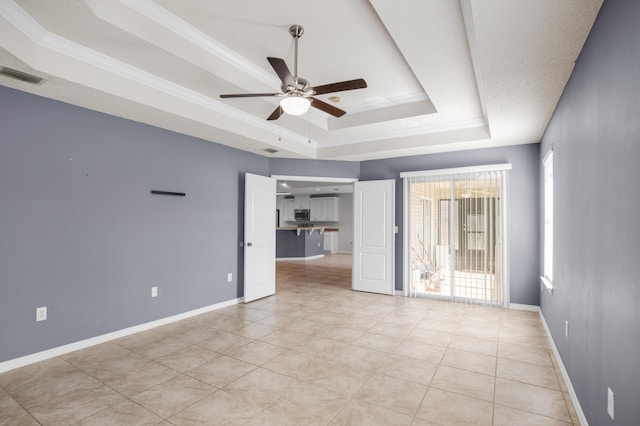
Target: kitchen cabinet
{"x": 315, "y": 206}
{"x": 331, "y": 241}
{"x": 324, "y": 209}
{"x": 302, "y": 202}
{"x": 289, "y": 206}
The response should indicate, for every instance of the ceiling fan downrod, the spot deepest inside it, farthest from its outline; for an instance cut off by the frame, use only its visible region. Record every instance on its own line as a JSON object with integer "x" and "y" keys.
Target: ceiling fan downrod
{"x": 296, "y": 32}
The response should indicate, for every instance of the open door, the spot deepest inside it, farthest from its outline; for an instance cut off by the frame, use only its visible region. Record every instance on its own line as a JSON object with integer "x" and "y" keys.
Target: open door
{"x": 373, "y": 241}
{"x": 259, "y": 237}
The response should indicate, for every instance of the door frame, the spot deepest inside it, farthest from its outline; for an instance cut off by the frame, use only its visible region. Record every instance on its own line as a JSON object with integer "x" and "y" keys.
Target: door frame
{"x": 504, "y": 230}
{"x": 319, "y": 179}
{"x": 314, "y": 179}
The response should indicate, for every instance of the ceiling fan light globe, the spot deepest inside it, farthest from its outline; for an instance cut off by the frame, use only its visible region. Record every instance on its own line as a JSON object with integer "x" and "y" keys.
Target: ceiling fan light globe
{"x": 295, "y": 105}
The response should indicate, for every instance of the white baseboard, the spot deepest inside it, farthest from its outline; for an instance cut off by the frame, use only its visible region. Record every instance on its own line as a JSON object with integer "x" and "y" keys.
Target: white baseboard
{"x": 565, "y": 375}
{"x": 319, "y": 256}
{"x": 520, "y": 307}
{"x": 82, "y": 344}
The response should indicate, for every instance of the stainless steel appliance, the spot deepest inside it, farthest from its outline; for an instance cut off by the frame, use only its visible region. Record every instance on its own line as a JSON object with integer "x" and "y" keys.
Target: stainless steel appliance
{"x": 301, "y": 214}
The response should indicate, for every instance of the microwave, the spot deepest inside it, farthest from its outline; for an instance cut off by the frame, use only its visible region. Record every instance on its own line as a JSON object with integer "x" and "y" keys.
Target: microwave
{"x": 301, "y": 214}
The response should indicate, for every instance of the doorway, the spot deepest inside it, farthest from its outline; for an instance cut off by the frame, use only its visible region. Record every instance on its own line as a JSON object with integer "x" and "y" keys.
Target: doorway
{"x": 455, "y": 235}
{"x": 333, "y": 267}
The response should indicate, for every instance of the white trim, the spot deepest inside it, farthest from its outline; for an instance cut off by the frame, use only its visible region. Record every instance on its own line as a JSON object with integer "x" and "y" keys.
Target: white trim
{"x": 314, "y": 179}
{"x": 82, "y": 344}
{"x": 505, "y": 256}
{"x": 458, "y": 170}
{"x": 469, "y": 26}
{"x": 408, "y": 132}
{"x": 565, "y": 375}
{"x": 547, "y": 285}
{"x": 318, "y": 256}
{"x": 21, "y": 20}
{"x": 521, "y": 307}
{"x": 161, "y": 16}
{"x": 406, "y": 201}
{"x": 547, "y": 156}
{"x": 547, "y": 221}
{"x": 390, "y": 102}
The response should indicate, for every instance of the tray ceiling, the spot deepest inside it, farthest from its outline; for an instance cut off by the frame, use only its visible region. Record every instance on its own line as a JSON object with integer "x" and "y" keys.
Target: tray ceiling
{"x": 442, "y": 75}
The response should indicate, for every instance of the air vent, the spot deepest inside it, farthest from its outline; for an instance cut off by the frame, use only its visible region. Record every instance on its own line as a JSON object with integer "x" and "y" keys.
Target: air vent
{"x": 270, "y": 150}
{"x": 20, "y": 75}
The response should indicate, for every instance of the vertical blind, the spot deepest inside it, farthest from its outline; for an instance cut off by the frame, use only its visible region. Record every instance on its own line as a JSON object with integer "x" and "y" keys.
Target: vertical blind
{"x": 455, "y": 230}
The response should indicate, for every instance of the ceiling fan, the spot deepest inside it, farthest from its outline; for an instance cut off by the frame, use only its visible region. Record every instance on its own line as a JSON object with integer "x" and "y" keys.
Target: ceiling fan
{"x": 297, "y": 96}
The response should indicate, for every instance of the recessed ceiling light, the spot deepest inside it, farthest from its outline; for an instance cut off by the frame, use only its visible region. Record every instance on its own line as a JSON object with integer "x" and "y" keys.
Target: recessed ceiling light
{"x": 335, "y": 98}
{"x": 317, "y": 189}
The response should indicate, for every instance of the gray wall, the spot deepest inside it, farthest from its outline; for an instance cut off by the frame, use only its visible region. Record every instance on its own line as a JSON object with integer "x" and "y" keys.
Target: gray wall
{"x": 81, "y": 234}
{"x": 319, "y": 168}
{"x": 595, "y": 133}
{"x": 522, "y": 198}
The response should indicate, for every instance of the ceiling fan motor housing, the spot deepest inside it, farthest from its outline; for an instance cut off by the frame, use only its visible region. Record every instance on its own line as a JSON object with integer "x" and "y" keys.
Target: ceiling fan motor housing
{"x": 300, "y": 87}
{"x": 296, "y": 31}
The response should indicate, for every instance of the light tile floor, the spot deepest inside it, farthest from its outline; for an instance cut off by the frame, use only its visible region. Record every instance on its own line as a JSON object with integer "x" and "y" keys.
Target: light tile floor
{"x": 315, "y": 353}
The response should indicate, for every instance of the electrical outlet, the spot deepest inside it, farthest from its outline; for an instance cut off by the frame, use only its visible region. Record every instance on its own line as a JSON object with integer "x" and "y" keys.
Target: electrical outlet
{"x": 229, "y": 277}
{"x": 41, "y": 314}
{"x": 154, "y": 291}
{"x": 610, "y": 403}
{"x": 566, "y": 328}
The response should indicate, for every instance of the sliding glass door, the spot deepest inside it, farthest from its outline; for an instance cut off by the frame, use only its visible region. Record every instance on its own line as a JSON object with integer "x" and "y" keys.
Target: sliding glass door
{"x": 455, "y": 224}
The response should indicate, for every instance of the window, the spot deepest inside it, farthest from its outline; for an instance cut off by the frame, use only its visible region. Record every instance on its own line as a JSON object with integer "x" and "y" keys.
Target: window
{"x": 548, "y": 221}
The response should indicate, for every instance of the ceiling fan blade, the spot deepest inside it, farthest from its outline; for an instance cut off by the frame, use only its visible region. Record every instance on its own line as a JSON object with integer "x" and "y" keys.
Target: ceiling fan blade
{"x": 329, "y": 109}
{"x": 281, "y": 68}
{"x": 250, "y": 95}
{"x": 341, "y": 86}
{"x": 275, "y": 114}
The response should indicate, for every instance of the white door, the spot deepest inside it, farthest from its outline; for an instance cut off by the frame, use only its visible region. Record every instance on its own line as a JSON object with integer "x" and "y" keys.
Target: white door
{"x": 259, "y": 237}
{"x": 373, "y": 241}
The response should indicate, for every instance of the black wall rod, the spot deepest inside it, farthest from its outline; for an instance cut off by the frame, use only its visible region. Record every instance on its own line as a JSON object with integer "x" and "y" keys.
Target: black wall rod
{"x": 179, "y": 194}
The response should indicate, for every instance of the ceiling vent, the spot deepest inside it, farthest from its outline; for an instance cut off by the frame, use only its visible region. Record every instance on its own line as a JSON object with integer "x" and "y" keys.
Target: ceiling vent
{"x": 20, "y": 75}
{"x": 270, "y": 150}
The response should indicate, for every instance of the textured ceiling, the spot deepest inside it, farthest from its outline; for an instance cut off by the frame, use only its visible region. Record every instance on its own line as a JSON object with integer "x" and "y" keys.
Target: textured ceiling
{"x": 442, "y": 75}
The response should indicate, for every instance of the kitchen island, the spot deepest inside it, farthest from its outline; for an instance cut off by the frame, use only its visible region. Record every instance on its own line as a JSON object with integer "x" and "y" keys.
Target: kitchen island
{"x": 299, "y": 243}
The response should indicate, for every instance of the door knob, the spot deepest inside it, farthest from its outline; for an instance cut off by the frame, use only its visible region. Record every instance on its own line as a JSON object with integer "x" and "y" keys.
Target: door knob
{"x": 249, "y": 244}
